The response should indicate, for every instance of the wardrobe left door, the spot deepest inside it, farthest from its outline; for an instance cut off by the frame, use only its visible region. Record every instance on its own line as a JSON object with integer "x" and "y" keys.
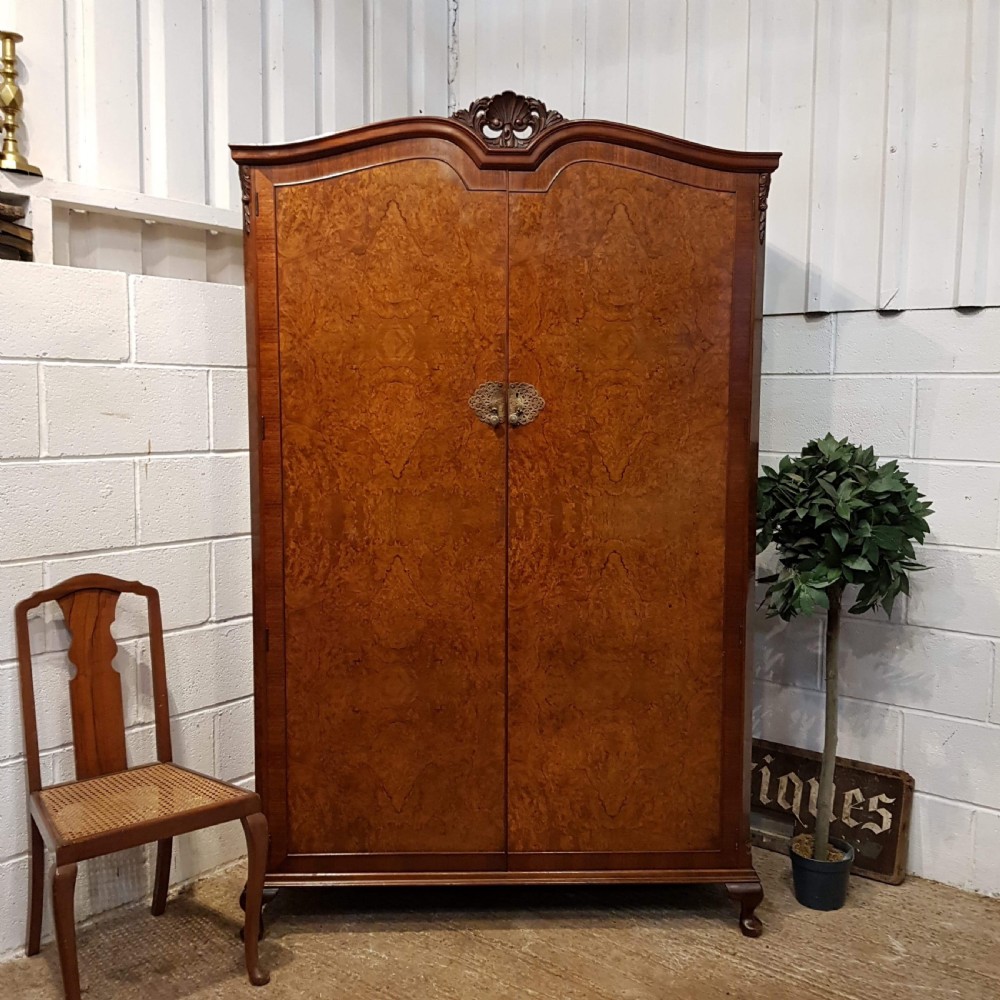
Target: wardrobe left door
{"x": 391, "y": 310}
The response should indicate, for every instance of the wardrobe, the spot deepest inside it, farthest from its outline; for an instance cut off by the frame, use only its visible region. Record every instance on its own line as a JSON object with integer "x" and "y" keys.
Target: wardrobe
{"x": 503, "y": 379}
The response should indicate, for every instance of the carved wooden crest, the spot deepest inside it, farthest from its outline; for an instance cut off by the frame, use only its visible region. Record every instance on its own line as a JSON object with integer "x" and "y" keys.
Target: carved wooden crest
{"x": 508, "y": 120}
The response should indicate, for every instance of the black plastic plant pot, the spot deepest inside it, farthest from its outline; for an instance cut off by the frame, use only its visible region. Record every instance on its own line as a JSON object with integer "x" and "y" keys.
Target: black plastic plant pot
{"x": 822, "y": 885}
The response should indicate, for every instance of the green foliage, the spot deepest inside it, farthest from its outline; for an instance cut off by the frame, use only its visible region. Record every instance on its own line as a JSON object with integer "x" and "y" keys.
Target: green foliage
{"x": 837, "y": 519}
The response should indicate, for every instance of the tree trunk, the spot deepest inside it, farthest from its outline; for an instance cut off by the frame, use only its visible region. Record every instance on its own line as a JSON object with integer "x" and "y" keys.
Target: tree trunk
{"x": 824, "y": 811}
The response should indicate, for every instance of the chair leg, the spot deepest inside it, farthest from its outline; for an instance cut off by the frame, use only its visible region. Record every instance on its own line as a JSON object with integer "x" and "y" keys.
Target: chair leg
{"x": 255, "y": 828}
{"x": 36, "y": 888}
{"x": 162, "y": 881}
{"x": 63, "y": 884}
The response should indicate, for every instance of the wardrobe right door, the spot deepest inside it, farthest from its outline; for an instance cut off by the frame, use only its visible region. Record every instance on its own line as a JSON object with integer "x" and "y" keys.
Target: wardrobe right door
{"x": 620, "y": 314}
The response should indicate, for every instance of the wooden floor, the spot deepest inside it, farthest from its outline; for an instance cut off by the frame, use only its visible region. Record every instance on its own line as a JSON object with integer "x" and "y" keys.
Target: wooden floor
{"x": 916, "y": 940}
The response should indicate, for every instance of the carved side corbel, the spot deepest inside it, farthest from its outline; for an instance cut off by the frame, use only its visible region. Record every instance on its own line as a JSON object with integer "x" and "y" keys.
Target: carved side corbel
{"x": 763, "y": 188}
{"x": 245, "y": 188}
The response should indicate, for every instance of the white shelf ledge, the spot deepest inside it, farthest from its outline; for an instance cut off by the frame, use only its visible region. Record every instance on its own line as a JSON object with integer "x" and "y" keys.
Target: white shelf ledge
{"x": 132, "y": 204}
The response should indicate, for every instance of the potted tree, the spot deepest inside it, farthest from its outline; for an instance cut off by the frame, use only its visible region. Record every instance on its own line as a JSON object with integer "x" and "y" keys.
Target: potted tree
{"x": 840, "y": 523}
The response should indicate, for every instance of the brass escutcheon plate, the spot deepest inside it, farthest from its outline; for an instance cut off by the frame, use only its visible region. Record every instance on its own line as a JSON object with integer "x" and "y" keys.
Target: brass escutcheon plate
{"x": 487, "y": 403}
{"x": 524, "y": 403}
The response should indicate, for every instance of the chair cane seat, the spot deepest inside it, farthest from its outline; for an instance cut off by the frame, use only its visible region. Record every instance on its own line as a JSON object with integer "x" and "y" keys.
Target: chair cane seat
{"x": 84, "y": 810}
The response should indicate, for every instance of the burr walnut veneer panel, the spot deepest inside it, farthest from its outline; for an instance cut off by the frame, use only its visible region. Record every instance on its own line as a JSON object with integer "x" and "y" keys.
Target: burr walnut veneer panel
{"x": 391, "y": 293}
{"x": 620, "y": 310}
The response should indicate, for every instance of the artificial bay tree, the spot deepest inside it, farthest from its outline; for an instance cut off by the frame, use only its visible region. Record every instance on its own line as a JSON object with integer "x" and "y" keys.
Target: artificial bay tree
{"x": 838, "y": 520}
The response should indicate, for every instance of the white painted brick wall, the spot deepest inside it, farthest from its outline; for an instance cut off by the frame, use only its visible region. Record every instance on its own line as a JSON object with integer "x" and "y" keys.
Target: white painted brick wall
{"x": 800, "y": 345}
{"x": 795, "y": 715}
{"x": 107, "y": 378}
{"x": 62, "y": 312}
{"x": 922, "y": 691}
{"x": 956, "y": 759}
{"x": 13, "y": 808}
{"x": 234, "y": 744}
{"x": 10, "y": 731}
{"x": 198, "y": 497}
{"x": 123, "y": 410}
{"x": 57, "y": 507}
{"x": 229, "y": 410}
{"x": 789, "y": 653}
{"x": 13, "y": 885}
{"x": 187, "y": 322}
{"x": 957, "y": 418}
{"x": 994, "y": 715}
{"x": 232, "y": 597}
{"x": 18, "y": 410}
{"x": 922, "y": 340}
{"x": 123, "y": 450}
{"x": 207, "y": 666}
{"x": 919, "y": 668}
{"x": 961, "y": 594}
{"x": 966, "y": 501}
{"x": 17, "y": 582}
{"x": 942, "y": 840}
{"x": 986, "y": 857}
{"x": 876, "y": 409}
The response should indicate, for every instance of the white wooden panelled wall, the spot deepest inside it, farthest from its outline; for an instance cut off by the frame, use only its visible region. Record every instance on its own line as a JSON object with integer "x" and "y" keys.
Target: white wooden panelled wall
{"x": 143, "y": 96}
{"x": 887, "y": 112}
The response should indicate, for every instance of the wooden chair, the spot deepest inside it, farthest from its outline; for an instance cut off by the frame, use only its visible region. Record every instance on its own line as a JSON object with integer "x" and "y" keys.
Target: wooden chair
{"x": 111, "y": 807}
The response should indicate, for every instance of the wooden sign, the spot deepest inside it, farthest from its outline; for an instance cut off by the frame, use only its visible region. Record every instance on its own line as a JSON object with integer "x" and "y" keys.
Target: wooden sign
{"x": 871, "y": 805}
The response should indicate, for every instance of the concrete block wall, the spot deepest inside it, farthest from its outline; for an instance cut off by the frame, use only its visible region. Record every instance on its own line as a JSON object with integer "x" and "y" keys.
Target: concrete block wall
{"x": 921, "y": 691}
{"x": 123, "y": 449}
{"x": 123, "y": 437}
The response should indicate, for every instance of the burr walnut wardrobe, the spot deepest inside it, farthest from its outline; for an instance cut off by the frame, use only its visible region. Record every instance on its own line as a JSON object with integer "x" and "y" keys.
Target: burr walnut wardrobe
{"x": 503, "y": 381}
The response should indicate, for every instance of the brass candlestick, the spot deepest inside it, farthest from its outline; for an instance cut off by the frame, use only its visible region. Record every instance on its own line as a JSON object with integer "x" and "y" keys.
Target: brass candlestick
{"x": 11, "y": 100}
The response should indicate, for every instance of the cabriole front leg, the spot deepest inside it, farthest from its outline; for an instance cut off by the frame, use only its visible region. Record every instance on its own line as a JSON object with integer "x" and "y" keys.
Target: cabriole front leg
{"x": 749, "y": 895}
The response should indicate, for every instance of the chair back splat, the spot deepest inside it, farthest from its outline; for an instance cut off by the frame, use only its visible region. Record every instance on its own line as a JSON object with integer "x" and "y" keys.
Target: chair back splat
{"x": 95, "y": 693}
{"x": 89, "y": 604}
